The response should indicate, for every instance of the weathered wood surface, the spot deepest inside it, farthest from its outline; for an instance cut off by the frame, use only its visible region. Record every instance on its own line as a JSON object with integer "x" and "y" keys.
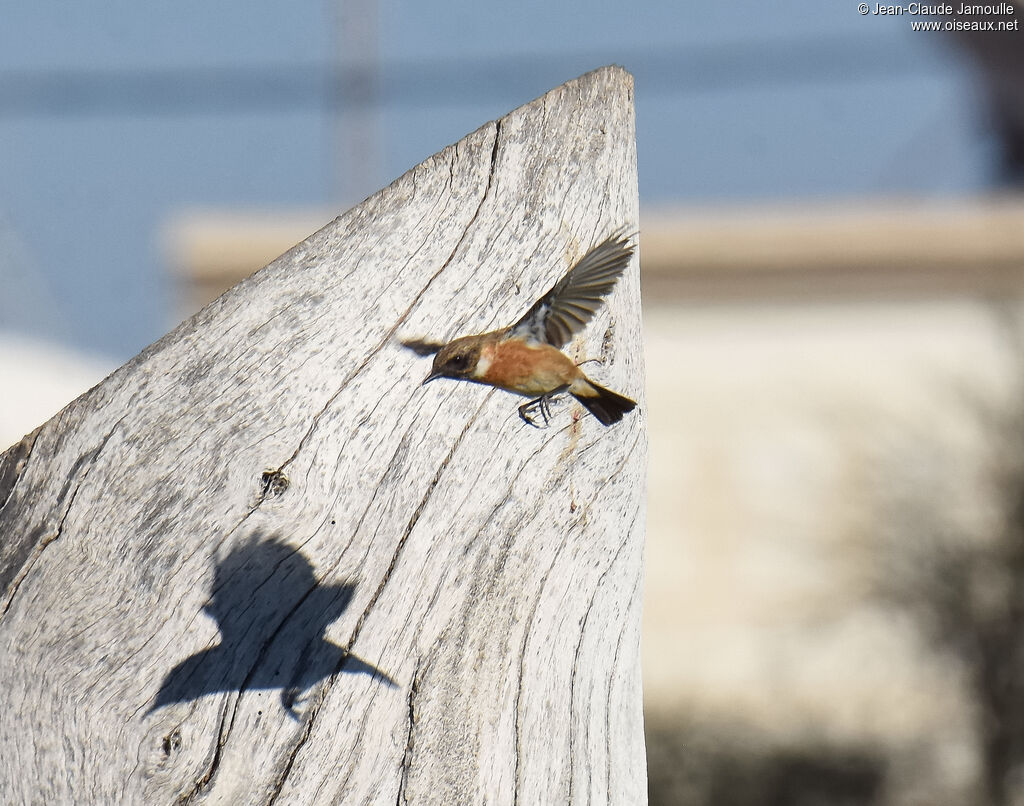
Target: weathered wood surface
{"x": 188, "y": 551}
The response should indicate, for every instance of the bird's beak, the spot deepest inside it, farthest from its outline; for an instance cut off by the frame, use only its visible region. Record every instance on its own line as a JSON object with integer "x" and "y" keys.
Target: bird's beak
{"x": 433, "y": 376}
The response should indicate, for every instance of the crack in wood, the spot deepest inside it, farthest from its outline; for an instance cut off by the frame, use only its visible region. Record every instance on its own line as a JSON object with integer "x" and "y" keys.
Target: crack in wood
{"x": 325, "y": 689}
{"x": 389, "y": 336}
{"x": 526, "y": 636}
{"x": 414, "y": 689}
{"x": 86, "y": 460}
{"x": 307, "y": 727}
{"x": 508, "y": 492}
{"x": 522, "y": 662}
{"x": 576, "y": 657}
{"x": 13, "y": 463}
{"x": 612, "y": 676}
{"x": 203, "y": 782}
{"x": 412, "y": 524}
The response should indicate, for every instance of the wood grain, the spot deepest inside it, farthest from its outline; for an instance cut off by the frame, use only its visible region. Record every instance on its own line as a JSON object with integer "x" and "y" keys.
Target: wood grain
{"x": 260, "y": 563}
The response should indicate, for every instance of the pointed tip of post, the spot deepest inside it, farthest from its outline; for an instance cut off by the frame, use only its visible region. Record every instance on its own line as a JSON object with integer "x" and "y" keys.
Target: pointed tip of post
{"x": 607, "y": 74}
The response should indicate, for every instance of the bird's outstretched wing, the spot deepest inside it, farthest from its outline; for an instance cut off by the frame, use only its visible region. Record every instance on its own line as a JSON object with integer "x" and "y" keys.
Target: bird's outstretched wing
{"x": 422, "y": 347}
{"x": 570, "y": 303}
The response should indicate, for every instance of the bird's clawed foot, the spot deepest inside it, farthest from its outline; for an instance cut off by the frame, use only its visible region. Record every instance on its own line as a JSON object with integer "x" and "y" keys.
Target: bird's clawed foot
{"x": 540, "y": 405}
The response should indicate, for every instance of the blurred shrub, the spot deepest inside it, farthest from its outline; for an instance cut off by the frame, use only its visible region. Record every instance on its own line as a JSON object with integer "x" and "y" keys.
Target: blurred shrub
{"x": 690, "y": 765}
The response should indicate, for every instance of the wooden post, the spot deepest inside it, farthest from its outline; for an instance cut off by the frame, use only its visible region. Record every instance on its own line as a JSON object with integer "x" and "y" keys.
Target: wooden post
{"x": 260, "y": 563}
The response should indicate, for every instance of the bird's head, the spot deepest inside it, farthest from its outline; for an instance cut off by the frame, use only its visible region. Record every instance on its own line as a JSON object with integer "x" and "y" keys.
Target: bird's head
{"x": 457, "y": 359}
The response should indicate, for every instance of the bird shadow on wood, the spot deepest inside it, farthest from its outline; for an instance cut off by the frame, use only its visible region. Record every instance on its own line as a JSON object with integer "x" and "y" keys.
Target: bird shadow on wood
{"x": 272, "y": 613}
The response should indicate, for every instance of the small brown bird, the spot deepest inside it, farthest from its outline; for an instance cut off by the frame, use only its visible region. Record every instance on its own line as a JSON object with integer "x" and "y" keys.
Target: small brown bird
{"x": 526, "y": 358}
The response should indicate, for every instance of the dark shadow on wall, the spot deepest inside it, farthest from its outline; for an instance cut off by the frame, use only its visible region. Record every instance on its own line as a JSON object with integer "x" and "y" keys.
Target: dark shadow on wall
{"x": 272, "y": 613}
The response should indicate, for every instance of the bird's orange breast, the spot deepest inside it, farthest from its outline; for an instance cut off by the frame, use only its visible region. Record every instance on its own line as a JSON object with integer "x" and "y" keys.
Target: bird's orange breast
{"x": 523, "y": 368}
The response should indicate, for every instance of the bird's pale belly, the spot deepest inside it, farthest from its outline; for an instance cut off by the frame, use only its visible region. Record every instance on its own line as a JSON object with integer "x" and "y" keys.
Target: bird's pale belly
{"x": 531, "y": 370}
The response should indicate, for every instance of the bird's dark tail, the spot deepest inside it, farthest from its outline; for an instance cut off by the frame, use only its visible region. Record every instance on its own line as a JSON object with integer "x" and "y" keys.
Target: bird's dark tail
{"x": 607, "y": 406}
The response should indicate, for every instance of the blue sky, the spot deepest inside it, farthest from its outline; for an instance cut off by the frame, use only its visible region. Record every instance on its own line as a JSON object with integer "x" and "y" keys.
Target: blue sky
{"x": 115, "y": 116}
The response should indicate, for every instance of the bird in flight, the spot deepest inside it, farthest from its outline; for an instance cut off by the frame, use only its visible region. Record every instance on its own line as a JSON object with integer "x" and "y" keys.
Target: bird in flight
{"x": 526, "y": 358}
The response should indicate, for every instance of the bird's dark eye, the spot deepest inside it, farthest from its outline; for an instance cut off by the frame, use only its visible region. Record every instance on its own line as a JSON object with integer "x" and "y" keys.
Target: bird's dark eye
{"x": 459, "y": 361}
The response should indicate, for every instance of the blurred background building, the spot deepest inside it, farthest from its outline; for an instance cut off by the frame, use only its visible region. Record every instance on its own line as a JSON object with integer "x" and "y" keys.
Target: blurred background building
{"x": 833, "y": 260}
